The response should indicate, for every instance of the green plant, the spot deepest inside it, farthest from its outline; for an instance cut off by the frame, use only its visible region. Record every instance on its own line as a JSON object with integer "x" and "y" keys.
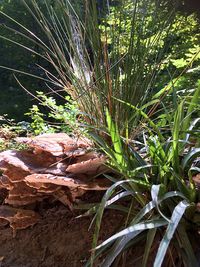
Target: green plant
{"x": 93, "y": 63}
{"x": 156, "y": 177}
{"x": 63, "y": 117}
{"x": 38, "y": 124}
{"x": 9, "y": 130}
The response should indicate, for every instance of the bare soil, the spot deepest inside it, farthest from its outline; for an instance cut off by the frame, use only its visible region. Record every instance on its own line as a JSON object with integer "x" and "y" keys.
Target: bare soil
{"x": 58, "y": 240}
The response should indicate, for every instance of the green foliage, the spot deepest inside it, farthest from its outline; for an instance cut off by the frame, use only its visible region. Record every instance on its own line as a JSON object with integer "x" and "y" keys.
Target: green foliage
{"x": 38, "y": 124}
{"x": 190, "y": 57}
{"x": 158, "y": 175}
{"x": 183, "y": 53}
{"x": 61, "y": 117}
{"x": 123, "y": 67}
{"x": 9, "y": 130}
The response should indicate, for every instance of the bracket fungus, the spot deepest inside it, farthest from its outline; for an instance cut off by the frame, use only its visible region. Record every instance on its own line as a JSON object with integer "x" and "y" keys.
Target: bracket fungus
{"x": 53, "y": 165}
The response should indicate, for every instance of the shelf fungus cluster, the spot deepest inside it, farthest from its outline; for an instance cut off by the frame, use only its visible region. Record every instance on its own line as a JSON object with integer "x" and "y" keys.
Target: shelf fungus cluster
{"x": 53, "y": 166}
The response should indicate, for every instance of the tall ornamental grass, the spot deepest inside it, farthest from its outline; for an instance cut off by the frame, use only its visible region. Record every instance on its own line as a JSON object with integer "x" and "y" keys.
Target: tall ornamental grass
{"x": 100, "y": 54}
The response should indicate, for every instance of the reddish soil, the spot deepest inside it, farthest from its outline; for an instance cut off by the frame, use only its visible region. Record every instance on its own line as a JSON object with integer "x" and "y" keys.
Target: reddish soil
{"x": 58, "y": 240}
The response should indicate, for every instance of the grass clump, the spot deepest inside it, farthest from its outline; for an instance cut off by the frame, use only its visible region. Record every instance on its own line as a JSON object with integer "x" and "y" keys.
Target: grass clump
{"x": 157, "y": 178}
